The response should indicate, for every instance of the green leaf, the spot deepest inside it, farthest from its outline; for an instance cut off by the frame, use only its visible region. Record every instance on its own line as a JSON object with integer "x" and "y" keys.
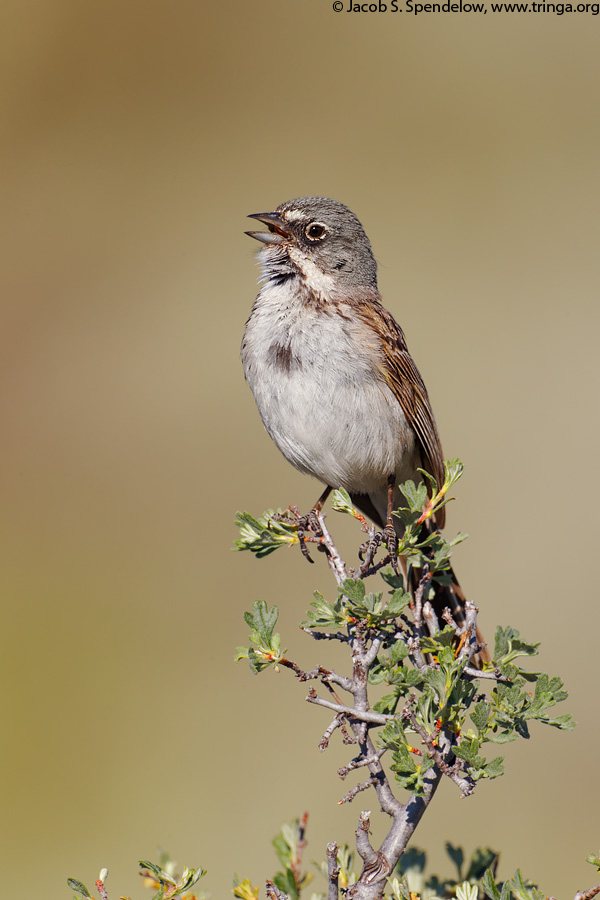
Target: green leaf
{"x": 489, "y": 885}
{"x": 324, "y": 614}
{"x": 456, "y": 855}
{"x": 341, "y": 502}
{"x": 458, "y": 538}
{"x": 392, "y": 734}
{"x": 436, "y": 679}
{"x": 394, "y": 581}
{"x": 266, "y": 650}
{"x": 398, "y": 652}
{"x": 371, "y": 607}
{"x": 244, "y": 890}
{"x": 286, "y": 882}
{"x": 78, "y": 887}
{"x": 189, "y": 878}
{"x": 262, "y": 619}
{"x": 468, "y": 750}
{"x": 415, "y": 494}
{"x": 564, "y": 723}
{"x": 404, "y": 679}
{"x": 387, "y": 704}
{"x": 353, "y": 590}
{"x": 258, "y": 662}
{"x": 379, "y": 672}
{"x": 399, "y": 600}
{"x": 501, "y": 737}
{"x": 160, "y": 874}
{"x": 525, "y": 890}
{"x": 264, "y": 535}
{"x": 398, "y": 889}
{"x": 453, "y": 470}
{"x": 282, "y": 849}
{"x": 442, "y": 639}
{"x": 508, "y": 645}
{"x": 433, "y": 485}
{"x": 494, "y": 768}
{"x": 409, "y": 773}
{"x": 481, "y": 715}
{"x": 481, "y": 860}
{"x": 466, "y": 891}
{"x": 286, "y": 842}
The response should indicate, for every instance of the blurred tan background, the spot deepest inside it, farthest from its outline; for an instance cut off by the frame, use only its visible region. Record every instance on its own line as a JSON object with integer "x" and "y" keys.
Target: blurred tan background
{"x": 136, "y": 138}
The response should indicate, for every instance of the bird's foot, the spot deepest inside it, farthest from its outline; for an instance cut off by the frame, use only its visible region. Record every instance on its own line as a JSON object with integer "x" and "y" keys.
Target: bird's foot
{"x": 368, "y": 550}
{"x": 309, "y": 530}
{"x": 307, "y": 527}
{"x": 390, "y": 539}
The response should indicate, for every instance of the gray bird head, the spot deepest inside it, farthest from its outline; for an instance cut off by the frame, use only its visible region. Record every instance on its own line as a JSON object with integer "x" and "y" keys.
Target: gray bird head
{"x": 314, "y": 237}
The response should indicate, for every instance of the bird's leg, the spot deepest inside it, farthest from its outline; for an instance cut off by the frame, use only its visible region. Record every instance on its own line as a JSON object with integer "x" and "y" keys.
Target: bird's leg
{"x": 309, "y": 522}
{"x": 387, "y": 536}
{"x": 390, "y": 536}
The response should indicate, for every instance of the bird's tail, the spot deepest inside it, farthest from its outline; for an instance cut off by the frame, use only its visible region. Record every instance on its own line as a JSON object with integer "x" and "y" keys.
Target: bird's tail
{"x": 448, "y": 601}
{"x": 442, "y": 596}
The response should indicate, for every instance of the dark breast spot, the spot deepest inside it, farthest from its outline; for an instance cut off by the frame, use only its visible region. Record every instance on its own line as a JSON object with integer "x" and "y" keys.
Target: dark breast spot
{"x": 282, "y": 357}
{"x": 280, "y": 278}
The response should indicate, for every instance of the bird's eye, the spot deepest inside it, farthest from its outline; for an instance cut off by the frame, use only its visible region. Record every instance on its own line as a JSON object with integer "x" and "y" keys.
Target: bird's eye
{"x": 316, "y": 231}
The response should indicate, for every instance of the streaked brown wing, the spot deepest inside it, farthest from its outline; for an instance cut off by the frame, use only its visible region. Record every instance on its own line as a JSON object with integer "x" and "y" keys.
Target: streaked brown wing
{"x": 405, "y": 381}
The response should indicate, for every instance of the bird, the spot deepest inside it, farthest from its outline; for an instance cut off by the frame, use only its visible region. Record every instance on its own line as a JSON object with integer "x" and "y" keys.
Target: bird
{"x": 329, "y": 367}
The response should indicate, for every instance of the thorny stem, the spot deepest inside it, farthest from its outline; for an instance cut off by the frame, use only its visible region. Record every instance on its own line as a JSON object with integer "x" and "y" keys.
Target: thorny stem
{"x": 418, "y": 601}
{"x": 333, "y": 871}
{"x": 320, "y": 672}
{"x": 325, "y": 635}
{"x": 414, "y": 646}
{"x": 363, "y": 844}
{"x": 273, "y": 892}
{"x": 334, "y": 559}
{"x": 449, "y": 619}
{"x": 370, "y": 782}
{"x": 372, "y": 718}
{"x": 431, "y": 620}
{"x": 297, "y": 864}
{"x": 496, "y": 675}
{"x": 469, "y": 647}
{"x": 365, "y": 644}
{"x": 337, "y": 722}
{"x": 358, "y": 762}
{"x": 587, "y": 895}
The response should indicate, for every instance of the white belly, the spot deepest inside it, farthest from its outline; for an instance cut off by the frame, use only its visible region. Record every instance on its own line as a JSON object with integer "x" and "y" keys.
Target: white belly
{"x": 321, "y": 394}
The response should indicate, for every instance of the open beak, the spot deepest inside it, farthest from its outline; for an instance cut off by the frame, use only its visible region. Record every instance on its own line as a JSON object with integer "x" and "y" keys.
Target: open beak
{"x": 277, "y": 232}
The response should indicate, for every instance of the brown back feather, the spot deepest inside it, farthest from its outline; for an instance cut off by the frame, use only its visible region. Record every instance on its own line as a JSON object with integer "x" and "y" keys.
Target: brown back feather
{"x": 404, "y": 379}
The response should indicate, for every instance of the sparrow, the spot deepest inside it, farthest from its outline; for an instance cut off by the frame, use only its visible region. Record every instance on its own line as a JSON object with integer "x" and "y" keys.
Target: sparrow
{"x": 329, "y": 368}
